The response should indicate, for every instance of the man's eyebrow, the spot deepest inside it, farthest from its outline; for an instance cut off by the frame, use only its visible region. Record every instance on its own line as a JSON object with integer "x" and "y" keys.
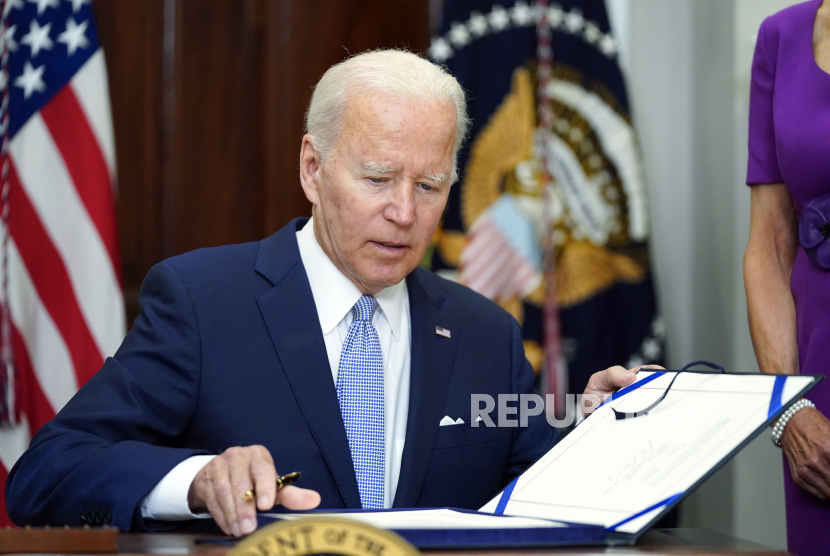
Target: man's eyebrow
{"x": 375, "y": 167}
{"x": 439, "y": 178}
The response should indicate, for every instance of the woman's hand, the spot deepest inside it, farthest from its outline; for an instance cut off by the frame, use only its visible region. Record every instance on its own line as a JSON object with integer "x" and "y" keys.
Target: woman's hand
{"x": 806, "y": 443}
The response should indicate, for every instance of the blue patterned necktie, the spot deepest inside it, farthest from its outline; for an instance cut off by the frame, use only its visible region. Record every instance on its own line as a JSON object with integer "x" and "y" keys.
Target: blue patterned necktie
{"x": 360, "y": 392}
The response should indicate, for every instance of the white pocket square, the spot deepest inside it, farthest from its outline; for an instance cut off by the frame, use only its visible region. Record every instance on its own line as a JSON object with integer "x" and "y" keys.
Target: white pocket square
{"x": 447, "y": 421}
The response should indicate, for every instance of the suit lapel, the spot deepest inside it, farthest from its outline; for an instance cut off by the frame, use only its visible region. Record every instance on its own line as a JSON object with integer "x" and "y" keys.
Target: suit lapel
{"x": 431, "y": 363}
{"x": 291, "y": 318}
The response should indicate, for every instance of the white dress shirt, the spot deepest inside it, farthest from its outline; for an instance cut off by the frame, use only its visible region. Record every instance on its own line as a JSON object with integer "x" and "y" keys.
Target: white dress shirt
{"x": 334, "y": 296}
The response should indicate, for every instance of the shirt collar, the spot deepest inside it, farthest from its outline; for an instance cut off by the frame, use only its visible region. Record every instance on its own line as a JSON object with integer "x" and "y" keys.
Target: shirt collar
{"x": 335, "y": 295}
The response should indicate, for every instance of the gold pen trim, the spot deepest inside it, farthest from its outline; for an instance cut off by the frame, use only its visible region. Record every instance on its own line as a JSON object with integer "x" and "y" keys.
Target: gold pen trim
{"x": 282, "y": 481}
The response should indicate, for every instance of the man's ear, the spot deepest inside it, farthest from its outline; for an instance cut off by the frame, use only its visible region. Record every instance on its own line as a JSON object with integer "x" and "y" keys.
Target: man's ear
{"x": 311, "y": 168}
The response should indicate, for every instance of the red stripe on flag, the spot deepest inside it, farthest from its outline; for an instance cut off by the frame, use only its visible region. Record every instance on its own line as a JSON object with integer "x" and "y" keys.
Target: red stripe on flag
{"x": 524, "y": 275}
{"x": 478, "y": 240}
{"x": 492, "y": 282}
{"x": 51, "y": 281}
{"x": 31, "y": 400}
{"x": 4, "y": 516}
{"x": 507, "y": 288}
{"x": 483, "y": 251}
{"x": 82, "y": 155}
{"x": 480, "y": 270}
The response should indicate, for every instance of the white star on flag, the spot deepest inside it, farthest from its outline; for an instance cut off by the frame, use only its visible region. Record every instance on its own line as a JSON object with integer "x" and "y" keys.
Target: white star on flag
{"x": 592, "y": 33}
{"x": 78, "y": 4}
{"x": 38, "y": 37}
{"x": 499, "y": 18}
{"x": 477, "y": 24}
{"x": 522, "y": 14}
{"x": 459, "y": 34}
{"x": 8, "y": 38}
{"x": 75, "y": 36}
{"x": 574, "y": 20}
{"x": 31, "y": 80}
{"x": 608, "y": 45}
{"x": 555, "y": 16}
{"x": 439, "y": 50}
{"x": 10, "y": 5}
{"x": 43, "y": 4}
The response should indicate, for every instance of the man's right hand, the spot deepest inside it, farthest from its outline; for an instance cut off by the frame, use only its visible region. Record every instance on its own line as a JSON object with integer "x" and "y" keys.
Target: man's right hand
{"x": 221, "y": 485}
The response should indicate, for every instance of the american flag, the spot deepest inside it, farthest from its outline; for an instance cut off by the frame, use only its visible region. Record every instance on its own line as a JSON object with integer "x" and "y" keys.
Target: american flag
{"x": 60, "y": 265}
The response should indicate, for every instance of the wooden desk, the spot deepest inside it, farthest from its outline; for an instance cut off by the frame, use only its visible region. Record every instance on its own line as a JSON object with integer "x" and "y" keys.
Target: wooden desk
{"x": 658, "y": 541}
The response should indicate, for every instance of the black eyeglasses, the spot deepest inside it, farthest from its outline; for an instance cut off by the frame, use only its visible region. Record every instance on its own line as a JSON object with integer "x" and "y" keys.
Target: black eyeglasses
{"x": 620, "y": 415}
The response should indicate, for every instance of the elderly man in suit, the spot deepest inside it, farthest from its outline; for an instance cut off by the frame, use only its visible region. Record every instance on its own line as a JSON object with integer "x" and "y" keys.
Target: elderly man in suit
{"x": 323, "y": 348}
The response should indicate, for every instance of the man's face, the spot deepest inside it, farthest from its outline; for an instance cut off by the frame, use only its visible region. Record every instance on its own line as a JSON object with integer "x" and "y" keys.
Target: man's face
{"x": 378, "y": 200}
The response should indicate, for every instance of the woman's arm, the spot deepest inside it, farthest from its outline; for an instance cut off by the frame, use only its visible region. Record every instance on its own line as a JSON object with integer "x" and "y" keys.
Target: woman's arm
{"x": 768, "y": 264}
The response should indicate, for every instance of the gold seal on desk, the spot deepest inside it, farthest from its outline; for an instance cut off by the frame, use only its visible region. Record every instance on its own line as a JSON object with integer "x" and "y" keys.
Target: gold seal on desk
{"x": 323, "y": 535}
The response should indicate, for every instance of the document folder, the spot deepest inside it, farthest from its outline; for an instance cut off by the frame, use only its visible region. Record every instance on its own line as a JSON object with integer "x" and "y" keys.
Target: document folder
{"x": 611, "y": 479}
{"x": 456, "y": 528}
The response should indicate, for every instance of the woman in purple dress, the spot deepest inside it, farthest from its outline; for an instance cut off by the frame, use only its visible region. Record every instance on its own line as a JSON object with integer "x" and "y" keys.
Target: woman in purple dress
{"x": 787, "y": 260}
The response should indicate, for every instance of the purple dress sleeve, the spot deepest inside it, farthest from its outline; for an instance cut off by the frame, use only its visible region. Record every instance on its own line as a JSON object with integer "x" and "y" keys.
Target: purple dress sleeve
{"x": 762, "y": 166}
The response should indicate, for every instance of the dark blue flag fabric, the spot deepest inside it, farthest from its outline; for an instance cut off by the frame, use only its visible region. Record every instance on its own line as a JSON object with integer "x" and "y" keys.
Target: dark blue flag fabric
{"x": 578, "y": 185}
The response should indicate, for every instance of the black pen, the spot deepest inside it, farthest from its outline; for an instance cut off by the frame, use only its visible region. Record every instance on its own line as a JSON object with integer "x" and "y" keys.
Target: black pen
{"x": 286, "y": 480}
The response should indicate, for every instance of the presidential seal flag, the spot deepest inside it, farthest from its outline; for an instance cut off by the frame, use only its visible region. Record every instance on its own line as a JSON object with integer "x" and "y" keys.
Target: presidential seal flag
{"x": 549, "y": 218}
{"x": 62, "y": 303}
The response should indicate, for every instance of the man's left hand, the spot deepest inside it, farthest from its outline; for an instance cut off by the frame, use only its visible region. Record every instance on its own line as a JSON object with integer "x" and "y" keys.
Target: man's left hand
{"x": 604, "y": 383}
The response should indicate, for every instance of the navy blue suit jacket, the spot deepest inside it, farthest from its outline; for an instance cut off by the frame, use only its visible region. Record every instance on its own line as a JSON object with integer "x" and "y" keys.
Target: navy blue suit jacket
{"x": 227, "y": 351}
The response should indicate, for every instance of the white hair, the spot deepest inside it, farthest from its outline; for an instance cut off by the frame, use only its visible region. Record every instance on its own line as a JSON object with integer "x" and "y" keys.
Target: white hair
{"x": 396, "y": 72}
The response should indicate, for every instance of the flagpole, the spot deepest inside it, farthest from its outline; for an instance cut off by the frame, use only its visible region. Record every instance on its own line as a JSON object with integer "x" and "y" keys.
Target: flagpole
{"x": 555, "y": 366}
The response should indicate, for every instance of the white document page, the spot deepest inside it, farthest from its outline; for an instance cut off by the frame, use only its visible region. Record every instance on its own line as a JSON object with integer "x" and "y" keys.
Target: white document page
{"x": 431, "y": 519}
{"x": 611, "y": 472}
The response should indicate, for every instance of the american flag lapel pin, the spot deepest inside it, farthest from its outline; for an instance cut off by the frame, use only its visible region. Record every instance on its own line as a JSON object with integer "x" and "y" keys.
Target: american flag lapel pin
{"x": 442, "y": 331}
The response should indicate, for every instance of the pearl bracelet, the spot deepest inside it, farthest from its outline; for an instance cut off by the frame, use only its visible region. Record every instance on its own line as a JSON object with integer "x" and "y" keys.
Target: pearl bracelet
{"x": 778, "y": 429}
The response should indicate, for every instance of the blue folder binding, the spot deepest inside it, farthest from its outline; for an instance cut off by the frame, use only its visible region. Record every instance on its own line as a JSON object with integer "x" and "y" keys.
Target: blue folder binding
{"x": 505, "y": 496}
{"x": 667, "y": 502}
{"x": 775, "y": 400}
{"x": 623, "y": 391}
